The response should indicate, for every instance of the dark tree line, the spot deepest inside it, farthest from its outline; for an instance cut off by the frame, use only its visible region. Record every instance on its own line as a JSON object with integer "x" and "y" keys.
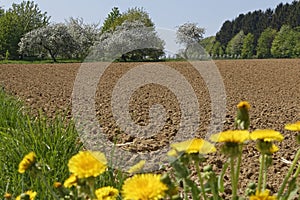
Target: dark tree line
{"x": 256, "y": 22}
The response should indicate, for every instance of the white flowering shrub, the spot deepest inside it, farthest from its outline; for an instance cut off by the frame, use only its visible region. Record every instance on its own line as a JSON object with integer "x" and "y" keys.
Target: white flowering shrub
{"x": 53, "y": 40}
{"x": 130, "y": 41}
{"x": 189, "y": 35}
{"x": 84, "y": 34}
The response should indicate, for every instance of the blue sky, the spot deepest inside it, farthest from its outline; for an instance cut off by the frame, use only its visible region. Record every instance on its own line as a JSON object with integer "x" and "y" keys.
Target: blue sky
{"x": 164, "y": 13}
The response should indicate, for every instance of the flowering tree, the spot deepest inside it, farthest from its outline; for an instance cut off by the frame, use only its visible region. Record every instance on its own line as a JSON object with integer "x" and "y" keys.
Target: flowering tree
{"x": 54, "y": 40}
{"x": 189, "y": 35}
{"x": 84, "y": 34}
{"x": 130, "y": 41}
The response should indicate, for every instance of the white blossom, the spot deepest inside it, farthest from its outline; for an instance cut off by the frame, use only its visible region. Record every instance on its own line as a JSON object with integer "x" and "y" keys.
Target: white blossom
{"x": 54, "y": 40}
{"x": 127, "y": 41}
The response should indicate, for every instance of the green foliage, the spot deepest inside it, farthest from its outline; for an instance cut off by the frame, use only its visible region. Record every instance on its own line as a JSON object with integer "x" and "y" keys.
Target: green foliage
{"x": 208, "y": 44}
{"x": 54, "y": 142}
{"x": 217, "y": 49}
{"x": 115, "y": 18}
{"x": 7, "y": 55}
{"x": 256, "y": 23}
{"x": 264, "y": 43}
{"x": 248, "y": 46}
{"x": 285, "y": 43}
{"x": 212, "y": 47}
{"x": 235, "y": 45}
{"x": 109, "y": 22}
{"x": 1, "y": 11}
{"x": 135, "y": 14}
{"x": 16, "y": 21}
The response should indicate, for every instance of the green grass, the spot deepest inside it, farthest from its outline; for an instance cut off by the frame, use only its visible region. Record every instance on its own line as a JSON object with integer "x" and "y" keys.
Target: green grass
{"x": 38, "y": 61}
{"x": 53, "y": 141}
{"x": 80, "y": 61}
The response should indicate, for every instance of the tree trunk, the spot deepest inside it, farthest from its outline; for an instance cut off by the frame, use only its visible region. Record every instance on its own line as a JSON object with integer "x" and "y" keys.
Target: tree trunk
{"x": 51, "y": 54}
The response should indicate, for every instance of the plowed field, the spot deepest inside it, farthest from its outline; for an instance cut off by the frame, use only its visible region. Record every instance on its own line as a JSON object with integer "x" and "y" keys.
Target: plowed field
{"x": 271, "y": 87}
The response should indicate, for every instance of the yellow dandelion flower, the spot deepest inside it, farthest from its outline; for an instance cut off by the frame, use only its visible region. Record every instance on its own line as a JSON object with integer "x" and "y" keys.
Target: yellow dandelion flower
{"x": 27, "y": 162}
{"x": 273, "y": 149}
{"x": 144, "y": 187}
{"x": 244, "y": 104}
{"x": 192, "y": 146}
{"x": 172, "y": 153}
{"x": 71, "y": 181}
{"x": 107, "y": 193}
{"x": 137, "y": 167}
{"x": 87, "y": 164}
{"x": 293, "y": 127}
{"x": 57, "y": 184}
{"x": 30, "y": 195}
{"x": 7, "y": 196}
{"x": 267, "y": 135}
{"x": 231, "y": 136}
{"x": 265, "y": 195}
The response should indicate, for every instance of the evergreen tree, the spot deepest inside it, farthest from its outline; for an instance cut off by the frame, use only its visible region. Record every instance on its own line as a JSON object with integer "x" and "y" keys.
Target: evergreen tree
{"x": 109, "y": 22}
{"x": 115, "y": 18}
{"x": 294, "y": 15}
{"x": 280, "y": 16}
{"x": 226, "y": 33}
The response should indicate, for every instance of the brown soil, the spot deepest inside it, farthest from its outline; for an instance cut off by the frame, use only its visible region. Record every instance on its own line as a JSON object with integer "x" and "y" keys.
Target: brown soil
{"x": 271, "y": 87}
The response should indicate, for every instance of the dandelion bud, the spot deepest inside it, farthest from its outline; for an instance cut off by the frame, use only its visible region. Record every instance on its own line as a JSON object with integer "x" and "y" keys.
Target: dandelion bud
{"x": 242, "y": 120}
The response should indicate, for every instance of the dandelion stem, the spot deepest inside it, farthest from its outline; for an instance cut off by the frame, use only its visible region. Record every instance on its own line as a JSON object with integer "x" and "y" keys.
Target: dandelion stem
{"x": 297, "y": 172}
{"x": 47, "y": 185}
{"x": 213, "y": 189}
{"x": 265, "y": 173}
{"x": 200, "y": 179}
{"x": 91, "y": 184}
{"x": 237, "y": 173}
{"x": 233, "y": 181}
{"x": 261, "y": 171}
{"x": 185, "y": 188}
{"x": 286, "y": 178}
